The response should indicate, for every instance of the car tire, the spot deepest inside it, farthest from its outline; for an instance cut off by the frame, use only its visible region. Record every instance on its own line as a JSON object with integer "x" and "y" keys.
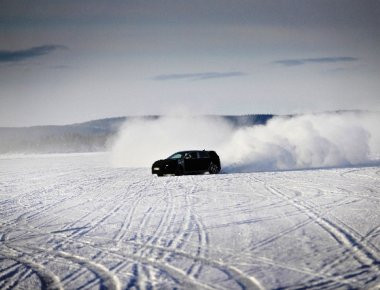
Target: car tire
{"x": 213, "y": 168}
{"x": 179, "y": 171}
{"x": 160, "y": 174}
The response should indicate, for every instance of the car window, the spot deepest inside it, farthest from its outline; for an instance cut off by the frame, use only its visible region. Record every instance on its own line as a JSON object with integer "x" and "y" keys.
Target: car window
{"x": 194, "y": 155}
{"x": 203, "y": 154}
{"x": 176, "y": 156}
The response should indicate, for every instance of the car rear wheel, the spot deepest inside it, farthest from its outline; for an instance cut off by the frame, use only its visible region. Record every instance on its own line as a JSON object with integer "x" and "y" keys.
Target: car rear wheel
{"x": 213, "y": 169}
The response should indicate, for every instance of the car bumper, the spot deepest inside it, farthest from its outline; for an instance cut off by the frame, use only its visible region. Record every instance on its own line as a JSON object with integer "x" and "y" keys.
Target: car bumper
{"x": 162, "y": 170}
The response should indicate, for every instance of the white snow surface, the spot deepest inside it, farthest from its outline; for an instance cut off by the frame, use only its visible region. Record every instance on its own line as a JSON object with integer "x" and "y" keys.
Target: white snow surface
{"x": 75, "y": 222}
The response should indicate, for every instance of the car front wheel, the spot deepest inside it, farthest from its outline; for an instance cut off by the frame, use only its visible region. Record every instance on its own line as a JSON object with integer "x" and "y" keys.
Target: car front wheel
{"x": 179, "y": 171}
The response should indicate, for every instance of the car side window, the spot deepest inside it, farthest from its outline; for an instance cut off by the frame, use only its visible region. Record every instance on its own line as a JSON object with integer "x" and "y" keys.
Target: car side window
{"x": 193, "y": 155}
{"x": 176, "y": 156}
{"x": 203, "y": 154}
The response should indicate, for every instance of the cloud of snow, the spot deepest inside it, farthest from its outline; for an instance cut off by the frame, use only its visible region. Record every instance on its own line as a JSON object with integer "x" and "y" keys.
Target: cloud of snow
{"x": 141, "y": 142}
{"x": 298, "y": 142}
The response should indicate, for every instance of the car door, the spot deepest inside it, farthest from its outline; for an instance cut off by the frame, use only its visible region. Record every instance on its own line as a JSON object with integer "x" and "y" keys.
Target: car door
{"x": 204, "y": 160}
{"x": 198, "y": 161}
{"x": 190, "y": 161}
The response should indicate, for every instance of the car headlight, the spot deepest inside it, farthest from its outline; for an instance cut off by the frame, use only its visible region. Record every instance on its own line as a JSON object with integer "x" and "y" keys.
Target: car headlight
{"x": 156, "y": 168}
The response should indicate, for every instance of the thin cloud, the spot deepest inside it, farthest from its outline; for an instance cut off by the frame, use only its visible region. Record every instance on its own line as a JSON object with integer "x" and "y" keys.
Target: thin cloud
{"x": 60, "y": 67}
{"x": 198, "y": 76}
{"x": 20, "y": 55}
{"x": 303, "y": 61}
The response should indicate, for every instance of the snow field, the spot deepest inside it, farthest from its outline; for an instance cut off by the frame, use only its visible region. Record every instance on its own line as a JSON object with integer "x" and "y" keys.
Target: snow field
{"x": 72, "y": 221}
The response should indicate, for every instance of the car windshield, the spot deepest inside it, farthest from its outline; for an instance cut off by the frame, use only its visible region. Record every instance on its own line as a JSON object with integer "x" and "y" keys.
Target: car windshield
{"x": 176, "y": 156}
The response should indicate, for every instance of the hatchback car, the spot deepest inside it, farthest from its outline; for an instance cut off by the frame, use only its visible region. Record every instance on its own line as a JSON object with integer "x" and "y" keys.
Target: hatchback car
{"x": 188, "y": 162}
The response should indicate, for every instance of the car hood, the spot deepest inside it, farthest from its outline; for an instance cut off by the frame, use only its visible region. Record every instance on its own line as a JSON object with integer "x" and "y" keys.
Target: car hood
{"x": 163, "y": 162}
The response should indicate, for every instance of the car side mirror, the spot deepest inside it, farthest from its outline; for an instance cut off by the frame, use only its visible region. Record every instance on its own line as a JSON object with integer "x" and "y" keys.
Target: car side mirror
{"x": 187, "y": 156}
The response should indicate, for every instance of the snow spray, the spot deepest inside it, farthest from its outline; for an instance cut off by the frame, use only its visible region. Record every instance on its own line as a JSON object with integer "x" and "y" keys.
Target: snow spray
{"x": 284, "y": 143}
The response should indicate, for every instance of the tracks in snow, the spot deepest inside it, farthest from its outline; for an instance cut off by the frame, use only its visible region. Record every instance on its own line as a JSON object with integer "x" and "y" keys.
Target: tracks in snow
{"x": 117, "y": 228}
{"x": 364, "y": 253}
{"x": 157, "y": 233}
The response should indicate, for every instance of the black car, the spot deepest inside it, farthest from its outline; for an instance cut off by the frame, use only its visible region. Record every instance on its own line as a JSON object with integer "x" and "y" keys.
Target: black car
{"x": 188, "y": 162}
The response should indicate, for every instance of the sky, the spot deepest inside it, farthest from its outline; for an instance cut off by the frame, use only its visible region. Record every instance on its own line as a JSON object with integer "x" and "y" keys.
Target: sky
{"x": 70, "y": 61}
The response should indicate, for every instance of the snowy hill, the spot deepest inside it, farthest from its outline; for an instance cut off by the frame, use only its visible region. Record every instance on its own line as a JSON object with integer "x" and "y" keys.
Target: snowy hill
{"x": 83, "y": 137}
{"x": 89, "y": 136}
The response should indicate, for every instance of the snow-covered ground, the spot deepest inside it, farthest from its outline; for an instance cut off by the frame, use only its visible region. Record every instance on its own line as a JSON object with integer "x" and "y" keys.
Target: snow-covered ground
{"x": 73, "y": 221}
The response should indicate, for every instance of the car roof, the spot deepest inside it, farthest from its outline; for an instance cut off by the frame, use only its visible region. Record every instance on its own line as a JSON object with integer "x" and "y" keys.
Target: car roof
{"x": 186, "y": 151}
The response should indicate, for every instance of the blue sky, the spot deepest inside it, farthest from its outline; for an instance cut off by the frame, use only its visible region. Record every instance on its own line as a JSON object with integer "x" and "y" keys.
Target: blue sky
{"x": 71, "y": 61}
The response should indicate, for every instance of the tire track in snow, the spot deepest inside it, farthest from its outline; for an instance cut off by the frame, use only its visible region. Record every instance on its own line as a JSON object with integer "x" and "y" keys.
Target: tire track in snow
{"x": 262, "y": 243}
{"x": 203, "y": 237}
{"x": 83, "y": 229}
{"x": 13, "y": 201}
{"x": 327, "y": 206}
{"x": 37, "y": 211}
{"x": 127, "y": 222}
{"x": 355, "y": 173}
{"x": 50, "y": 281}
{"x": 108, "y": 279}
{"x": 99, "y": 206}
{"x": 244, "y": 281}
{"x": 137, "y": 198}
{"x": 140, "y": 273}
{"x": 192, "y": 219}
{"x": 172, "y": 249}
{"x": 164, "y": 228}
{"x": 166, "y": 222}
{"x": 10, "y": 277}
{"x": 175, "y": 263}
{"x": 182, "y": 234}
{"x": 343, "y": 236}
{"x": 267, "y": 241}
{"x": 140, "y": 270}
{"x": 47, "y": 278}
{"x": 40, "y": 210}
{"x": 81, "y": 233}
{"x": 84, "y": 187}
{"x": 311, "y": 273}
{"x": 361, "y": 240}
{"x": 272, "y": 238}
{"x": 343, "y": 225}
{"x": 373, "y": 233}
{"x": 338, "y": 190}
{"x": 176, "y": 274}
{"x": 18, "y": 267}
{"x": 106, "y": 276}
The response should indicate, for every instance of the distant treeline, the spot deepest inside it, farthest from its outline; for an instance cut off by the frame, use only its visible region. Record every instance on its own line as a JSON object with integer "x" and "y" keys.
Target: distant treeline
{"x": 84, "y": 137}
